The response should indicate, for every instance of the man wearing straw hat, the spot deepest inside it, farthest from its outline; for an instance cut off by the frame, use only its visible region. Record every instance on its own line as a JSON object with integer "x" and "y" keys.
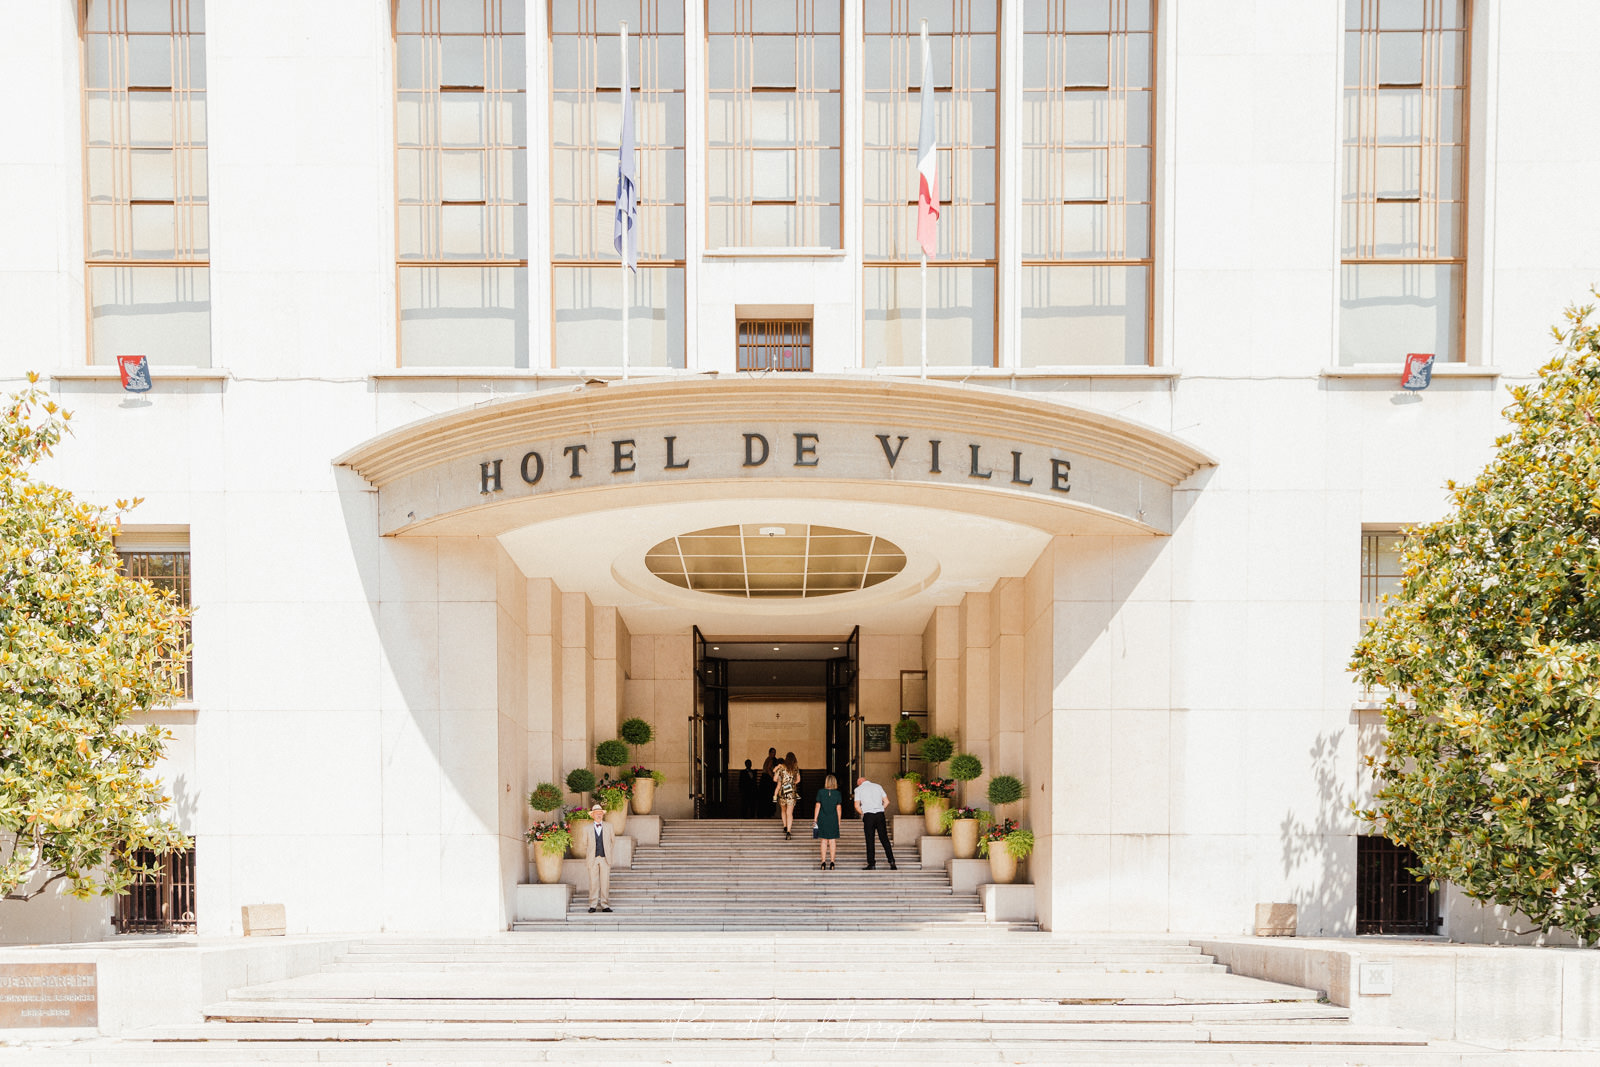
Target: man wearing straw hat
{"x": 602, "y": 846}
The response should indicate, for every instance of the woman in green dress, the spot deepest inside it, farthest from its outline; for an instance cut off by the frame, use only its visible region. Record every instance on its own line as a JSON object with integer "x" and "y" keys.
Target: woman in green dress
{"x": 825, "y": 821}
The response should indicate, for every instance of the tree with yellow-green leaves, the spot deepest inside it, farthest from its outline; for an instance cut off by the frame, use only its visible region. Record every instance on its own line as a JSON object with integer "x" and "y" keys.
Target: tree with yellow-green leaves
{"x": 1490, "y": 653}
{"x": 82, "y": 648}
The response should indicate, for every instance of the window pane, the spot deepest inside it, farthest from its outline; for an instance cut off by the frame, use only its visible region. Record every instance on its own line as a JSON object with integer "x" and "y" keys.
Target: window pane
{"x": 149, "y": 61}
{"x": 463, "y": 316}
{"x": 1390, "y": 310}
{"x": 151, "y": 174}
{"x": 1084, "y": 315}
{"x": 160, "y": 312}
{"x": 588, "y": 310}
{"x": 960, "y": 316}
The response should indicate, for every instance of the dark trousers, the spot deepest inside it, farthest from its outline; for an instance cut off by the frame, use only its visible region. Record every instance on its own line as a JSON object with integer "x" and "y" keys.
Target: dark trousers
{"x": 876, "y": 822}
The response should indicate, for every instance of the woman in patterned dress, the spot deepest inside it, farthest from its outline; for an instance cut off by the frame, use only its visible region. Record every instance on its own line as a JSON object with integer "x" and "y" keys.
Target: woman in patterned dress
{"x": 787, "y": 777}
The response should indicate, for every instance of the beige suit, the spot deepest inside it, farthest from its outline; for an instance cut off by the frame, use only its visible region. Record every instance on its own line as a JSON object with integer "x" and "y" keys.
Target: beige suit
{"x": 600, "y": 866}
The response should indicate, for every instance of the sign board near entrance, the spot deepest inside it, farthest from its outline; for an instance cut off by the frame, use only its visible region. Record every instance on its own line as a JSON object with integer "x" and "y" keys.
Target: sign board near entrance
{"x": 877, "y": 736}
{"x": 49, "y": 994}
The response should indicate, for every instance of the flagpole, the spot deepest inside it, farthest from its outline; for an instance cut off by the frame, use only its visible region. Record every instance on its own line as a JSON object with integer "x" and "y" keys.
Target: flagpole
{"x": 622, "y": 39}
{"x": 924, "y": 269}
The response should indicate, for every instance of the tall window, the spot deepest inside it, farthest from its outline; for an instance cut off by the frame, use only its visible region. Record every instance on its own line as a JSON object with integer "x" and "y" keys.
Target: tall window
{"x": 1405, "y": 160}
{"x": 1380, "y": 570}
{"x": 462, "y": 182}
{"x": 1087, "y": 172}
{"x": 964, "y": 47}
{"x": 166, "y": 568}
{"x": 773, "y": 164}
{"x": 148, "y": 243}
{"x": 585, "y": 125}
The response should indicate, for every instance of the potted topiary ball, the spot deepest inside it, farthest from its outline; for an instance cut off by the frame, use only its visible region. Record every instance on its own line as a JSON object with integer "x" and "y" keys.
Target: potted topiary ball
{"x": 545, "y": 798}
{"x": 580, "y": 780}
{"x": 1004, "y": 789}
{"x": 907, "y": 732}
{"x": 964, "y": 827}
{"x": 635, "y": 733}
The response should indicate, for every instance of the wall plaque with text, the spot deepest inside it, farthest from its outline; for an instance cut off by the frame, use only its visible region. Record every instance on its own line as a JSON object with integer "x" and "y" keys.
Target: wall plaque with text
{"x": 49, "y": 994}
{"x": 877, "y": 736}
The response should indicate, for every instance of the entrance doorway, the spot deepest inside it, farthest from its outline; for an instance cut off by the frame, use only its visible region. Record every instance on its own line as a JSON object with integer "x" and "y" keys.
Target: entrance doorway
{"x": 794, "y": 695}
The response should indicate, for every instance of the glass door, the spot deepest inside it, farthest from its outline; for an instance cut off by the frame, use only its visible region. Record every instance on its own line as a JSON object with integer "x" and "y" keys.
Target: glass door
{"x": 844, "y": 716}
{"x": 708, "y": 732}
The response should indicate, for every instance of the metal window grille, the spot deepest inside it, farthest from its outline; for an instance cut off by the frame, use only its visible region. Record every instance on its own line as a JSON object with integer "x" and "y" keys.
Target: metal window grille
{"x": 1389, "y": 898}
{"x": 775, "y": 344}
{"x": 159, "y": 903}
{"x": 168, "y": 571}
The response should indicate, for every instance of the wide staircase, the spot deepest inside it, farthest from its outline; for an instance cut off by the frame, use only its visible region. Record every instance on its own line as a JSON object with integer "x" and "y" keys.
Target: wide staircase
{"x": 870, "y": 997}
{"x": 740, "y": 874}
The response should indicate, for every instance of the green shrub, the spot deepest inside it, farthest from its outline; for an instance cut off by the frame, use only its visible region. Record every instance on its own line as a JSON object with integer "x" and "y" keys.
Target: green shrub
{"x": 936, "y": 748}
{"x": 909, "y": 776}
{"x": 545, "y": 797}
{"x": 907, "y": 732}
{"x": 965, "y": 767}
{"x": 580, "y": 780}
{"x": 611, "y": 753}
{"x": 635, "y": 732}
{"x": 1020, "y": 843}
{"x": 613, "y": 799}
{"x": 1003, "y": 789}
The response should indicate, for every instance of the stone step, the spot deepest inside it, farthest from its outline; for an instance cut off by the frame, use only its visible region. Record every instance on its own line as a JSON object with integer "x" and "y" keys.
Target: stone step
{"x": 841, "y": 1027}
{"x": 888, "y": 1008}
{"x": 854, "y": 1050}
{"x": 798, "y": 956}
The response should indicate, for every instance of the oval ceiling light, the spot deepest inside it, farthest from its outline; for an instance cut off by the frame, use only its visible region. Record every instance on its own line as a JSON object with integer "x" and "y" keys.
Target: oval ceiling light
{"x": 753, "y": 561}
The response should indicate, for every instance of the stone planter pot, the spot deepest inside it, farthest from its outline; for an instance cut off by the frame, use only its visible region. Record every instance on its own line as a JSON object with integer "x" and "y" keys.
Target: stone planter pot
{"x": 932, "y": 812}
{"x": 582, "y": 831}
{"x": 547, "y": 864}
{"x": 618, "y": 820}
{"x": 644, "y": 795}
{"x": 905, "y": 796}
{"x": 964, "y": 837}
{"x": 1002, "y": 864}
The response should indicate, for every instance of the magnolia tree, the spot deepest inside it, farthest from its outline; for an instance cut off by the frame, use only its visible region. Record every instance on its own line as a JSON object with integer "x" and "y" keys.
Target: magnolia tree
{"x": 82, "y": 647}
{"x": 1490, "y": 652}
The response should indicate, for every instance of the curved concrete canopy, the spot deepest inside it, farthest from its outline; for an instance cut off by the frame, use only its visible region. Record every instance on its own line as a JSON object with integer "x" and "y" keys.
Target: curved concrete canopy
{"x": 509, "y": 463}
{"x": 578, "y": 484}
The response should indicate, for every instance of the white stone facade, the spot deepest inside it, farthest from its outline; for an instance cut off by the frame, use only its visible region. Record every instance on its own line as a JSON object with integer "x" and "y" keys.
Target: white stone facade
{"x": 373, "y": 700}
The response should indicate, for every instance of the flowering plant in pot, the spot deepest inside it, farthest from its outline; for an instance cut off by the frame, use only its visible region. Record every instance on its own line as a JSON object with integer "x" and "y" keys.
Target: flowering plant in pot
{"x": 577, "y": 821}
{"x": 1006, "y": 844}
{"x": 644, "y": 782}
{"x": 614, "y": 795}
{"x": 934, "y": 795}
{"x": 550, "y": 841}
{"x": 962, "y": 824}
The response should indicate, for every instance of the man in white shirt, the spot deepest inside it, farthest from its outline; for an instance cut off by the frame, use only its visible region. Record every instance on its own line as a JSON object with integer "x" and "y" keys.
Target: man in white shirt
{"x": 870, "y": 801}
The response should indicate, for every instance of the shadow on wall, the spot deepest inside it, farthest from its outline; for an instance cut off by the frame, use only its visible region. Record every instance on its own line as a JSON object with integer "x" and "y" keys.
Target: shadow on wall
{"x": 1321, "y": 857}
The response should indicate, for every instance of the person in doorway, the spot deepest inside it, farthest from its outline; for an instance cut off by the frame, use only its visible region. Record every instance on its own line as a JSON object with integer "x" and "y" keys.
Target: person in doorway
{"x": 786, "y": 776}
{"x": 825, "y": 820}
{"x": 749, "y": 791}
{"x": 768, "y": 766}
{"x": 602, "y": 847}
{"x": 870, "y": 803}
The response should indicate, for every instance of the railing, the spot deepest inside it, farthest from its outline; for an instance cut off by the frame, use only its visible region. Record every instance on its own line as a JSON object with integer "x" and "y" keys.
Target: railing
{"x": 160, "y": 903}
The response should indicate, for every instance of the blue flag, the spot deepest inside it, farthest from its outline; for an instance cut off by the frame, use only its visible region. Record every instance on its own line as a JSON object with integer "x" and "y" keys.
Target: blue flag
{"x": 625, "y": 232}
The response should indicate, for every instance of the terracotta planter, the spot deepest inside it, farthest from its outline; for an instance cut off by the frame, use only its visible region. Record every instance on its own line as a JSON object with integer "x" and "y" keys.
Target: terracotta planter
{"x": 932, "y": 812}
{"x": 644, "y": 796}
{"x": 1002, "y": 864}
{"x": 582, "y": 831}
{"x": 905, "y": 796}
{"x": 964, "y": 836}
{"x": 618, "y": 820}
{"x": 547, "y": 864}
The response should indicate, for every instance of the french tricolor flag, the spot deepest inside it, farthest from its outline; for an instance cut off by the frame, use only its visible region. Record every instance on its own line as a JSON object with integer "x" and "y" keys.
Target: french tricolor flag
{"x": 927, "y": 165}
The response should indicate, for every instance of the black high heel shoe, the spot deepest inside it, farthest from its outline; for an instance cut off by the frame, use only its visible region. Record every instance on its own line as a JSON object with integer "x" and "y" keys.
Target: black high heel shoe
{"x": 786, "y": 835}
